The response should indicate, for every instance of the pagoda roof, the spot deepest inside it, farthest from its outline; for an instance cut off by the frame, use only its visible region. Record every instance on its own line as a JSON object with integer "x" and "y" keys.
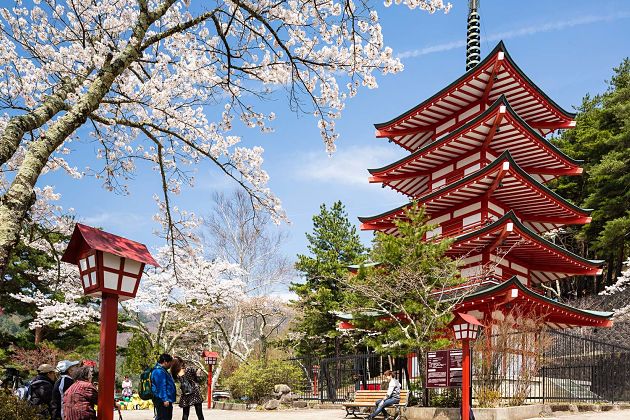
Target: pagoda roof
{"x": 512, "y": 292}
{"x": 503, "y": 182}
{"x": 509, "y": 238}
{"x": 496, "y": 75}
{"x": 497, "y": 129}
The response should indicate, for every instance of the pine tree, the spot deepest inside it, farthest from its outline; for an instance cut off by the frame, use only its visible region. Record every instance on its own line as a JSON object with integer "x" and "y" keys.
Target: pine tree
{"x": 334, "y": 245}
{"x": 401, "y": 298}
{"x": 602, "y": 140}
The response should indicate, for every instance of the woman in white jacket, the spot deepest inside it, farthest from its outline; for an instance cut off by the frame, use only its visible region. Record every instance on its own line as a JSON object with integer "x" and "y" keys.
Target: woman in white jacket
{"x": 392, "y": 397}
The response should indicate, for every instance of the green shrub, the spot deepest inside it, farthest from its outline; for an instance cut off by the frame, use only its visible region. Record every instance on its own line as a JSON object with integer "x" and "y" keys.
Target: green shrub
{"x": 13, "y": 409}
{"x": 448, "y": 397}
{"x": 255, "y": 380}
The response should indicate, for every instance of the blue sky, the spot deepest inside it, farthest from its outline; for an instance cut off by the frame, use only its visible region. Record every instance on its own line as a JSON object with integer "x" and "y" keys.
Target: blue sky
{"x": 568, "y": 48}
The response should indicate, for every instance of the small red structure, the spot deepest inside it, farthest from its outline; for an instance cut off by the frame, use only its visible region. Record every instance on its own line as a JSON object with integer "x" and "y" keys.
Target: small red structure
{"x": 110, "y": 266}
{"x": 315, "y": 372}
{"x": 211, "y": 358}
{"x": 466, "y": 327}
{"x": 107, "y": 263}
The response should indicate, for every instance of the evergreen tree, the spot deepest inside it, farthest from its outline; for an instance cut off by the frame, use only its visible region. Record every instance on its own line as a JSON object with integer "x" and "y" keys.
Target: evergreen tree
{"x": 602, "y": 140}
{"x": 333, "y": 245}
{"x": 401, "y": 298}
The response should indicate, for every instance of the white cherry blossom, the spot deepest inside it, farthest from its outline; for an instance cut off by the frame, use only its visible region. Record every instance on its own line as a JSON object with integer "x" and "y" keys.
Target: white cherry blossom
{"x": 166, "y": 82}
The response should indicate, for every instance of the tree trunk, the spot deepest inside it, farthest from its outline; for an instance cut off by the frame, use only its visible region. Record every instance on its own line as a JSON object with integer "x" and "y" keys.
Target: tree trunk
{"x": 16, "y": 202}
{"x": 216, "y": 374}
{"x": 38, "y": 335}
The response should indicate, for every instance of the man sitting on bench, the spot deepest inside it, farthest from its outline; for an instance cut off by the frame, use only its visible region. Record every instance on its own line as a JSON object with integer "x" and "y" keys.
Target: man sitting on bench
{"x": 392, "y": 397}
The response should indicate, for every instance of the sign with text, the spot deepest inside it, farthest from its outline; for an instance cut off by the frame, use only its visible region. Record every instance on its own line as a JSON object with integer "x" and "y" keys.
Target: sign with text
{"x": 444, "y": 368}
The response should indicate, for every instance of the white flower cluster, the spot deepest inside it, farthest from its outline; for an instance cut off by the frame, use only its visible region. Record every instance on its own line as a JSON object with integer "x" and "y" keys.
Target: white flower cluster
{"x": 190, "y": 281}
{"x": 191, "y": 76}
{"x": 621, "y": 285}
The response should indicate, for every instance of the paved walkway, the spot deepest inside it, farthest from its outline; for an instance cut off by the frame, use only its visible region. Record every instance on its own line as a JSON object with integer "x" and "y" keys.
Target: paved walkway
{"x": 332, "y": 415}
{"x": 607, "y": 415}
{"x": 243, "y": 415}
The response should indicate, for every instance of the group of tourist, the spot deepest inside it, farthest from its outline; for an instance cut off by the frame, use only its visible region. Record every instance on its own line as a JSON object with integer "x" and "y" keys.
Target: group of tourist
{"x": 73, "y": 396}
{"x": 163, "y": 388}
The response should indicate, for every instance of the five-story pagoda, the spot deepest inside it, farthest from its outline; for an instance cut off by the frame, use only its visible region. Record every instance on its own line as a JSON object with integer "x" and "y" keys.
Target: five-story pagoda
{"x": 478, "y": 163}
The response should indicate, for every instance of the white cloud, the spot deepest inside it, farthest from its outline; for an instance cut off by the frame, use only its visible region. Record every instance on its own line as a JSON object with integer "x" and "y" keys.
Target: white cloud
{"x": 284, "y": 296}
{"x": 115, "y": 219}
{"x": 347, "y": 166}
{"x": 516, "y": 33}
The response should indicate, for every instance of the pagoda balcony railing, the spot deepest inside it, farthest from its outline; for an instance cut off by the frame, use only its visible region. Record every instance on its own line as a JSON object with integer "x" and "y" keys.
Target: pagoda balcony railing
{"x": 448, "y": 181}
{"x": 474, "y": 282}
{"x": 470, "y": 284}
{"x": 455, "y": 229}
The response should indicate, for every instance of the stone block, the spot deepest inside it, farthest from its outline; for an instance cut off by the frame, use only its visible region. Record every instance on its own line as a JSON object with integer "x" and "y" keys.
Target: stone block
{"x": 272, "y": 405}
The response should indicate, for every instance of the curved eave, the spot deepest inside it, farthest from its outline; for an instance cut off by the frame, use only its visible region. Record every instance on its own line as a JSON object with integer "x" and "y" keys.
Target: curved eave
{"x": 478, "y": 121}
{"x": 356, "y": 267}
{"x": 400, "y": 209}
{"x": 478, "y": 69}
{"x": 524, "y": 231}
{"x": 504, "y": 157}
{"x": 418, "y": 153}
{"x": 599, "y": 318}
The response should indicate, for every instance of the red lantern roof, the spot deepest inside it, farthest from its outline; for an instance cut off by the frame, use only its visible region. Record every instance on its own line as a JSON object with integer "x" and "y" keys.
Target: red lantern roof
{"x": 345, "y": 325}
{"x": 86, "y": 238}
{"x": 464, "y": 317}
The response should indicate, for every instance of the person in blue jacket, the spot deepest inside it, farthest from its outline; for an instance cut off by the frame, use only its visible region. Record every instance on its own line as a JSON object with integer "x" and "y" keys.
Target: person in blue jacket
{"x": 163, "y": 388}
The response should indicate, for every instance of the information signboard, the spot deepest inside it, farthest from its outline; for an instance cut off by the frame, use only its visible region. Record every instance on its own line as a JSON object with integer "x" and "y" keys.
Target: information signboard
{"x": 455, "y": 368}
{"x": 437, "y": 369}
{"x": 444, "y": 368}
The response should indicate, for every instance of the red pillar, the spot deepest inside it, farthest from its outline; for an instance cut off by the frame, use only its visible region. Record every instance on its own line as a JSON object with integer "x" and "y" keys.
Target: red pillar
{"x": 107, "y": 358}
{"x": 210, "y": 386}
{"x": 315, "y": 383}
{"x": 465, "y": 379}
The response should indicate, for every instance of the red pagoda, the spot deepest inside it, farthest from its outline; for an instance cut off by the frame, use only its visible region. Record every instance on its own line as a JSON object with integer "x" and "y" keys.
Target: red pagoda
{"x": 478, "y": 163}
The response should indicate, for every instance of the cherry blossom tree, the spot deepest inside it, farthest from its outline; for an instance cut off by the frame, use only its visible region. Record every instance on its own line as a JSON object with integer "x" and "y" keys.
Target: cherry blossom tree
{"x": 620, "y": 288}
{"x": 184, "y": 304}
{"x": 160, "y": 83}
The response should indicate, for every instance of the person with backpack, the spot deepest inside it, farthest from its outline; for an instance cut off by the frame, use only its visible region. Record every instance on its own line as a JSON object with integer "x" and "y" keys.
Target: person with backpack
{"x": 191, "y": 396}
{"x": 66, "y": 369}
{"x": 163, "y": 388}
{"x": 39, "y": 393}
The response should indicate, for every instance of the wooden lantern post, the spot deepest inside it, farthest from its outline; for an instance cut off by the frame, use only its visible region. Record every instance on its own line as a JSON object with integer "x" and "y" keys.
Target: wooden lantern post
{"x": 110, "y": 267}
{"x": 210, "y": 357}
{"x": 466, "y": 328}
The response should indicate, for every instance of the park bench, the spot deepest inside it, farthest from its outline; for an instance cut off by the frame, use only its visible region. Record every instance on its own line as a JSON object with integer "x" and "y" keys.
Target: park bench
{"x": 367, "y": 399}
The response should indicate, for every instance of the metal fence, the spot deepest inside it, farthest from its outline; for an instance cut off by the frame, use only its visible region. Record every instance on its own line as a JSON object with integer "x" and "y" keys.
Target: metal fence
{"x": 573, "y": 368}
{"x": 577, "y": 368}
{"x": 336, "y": 379}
